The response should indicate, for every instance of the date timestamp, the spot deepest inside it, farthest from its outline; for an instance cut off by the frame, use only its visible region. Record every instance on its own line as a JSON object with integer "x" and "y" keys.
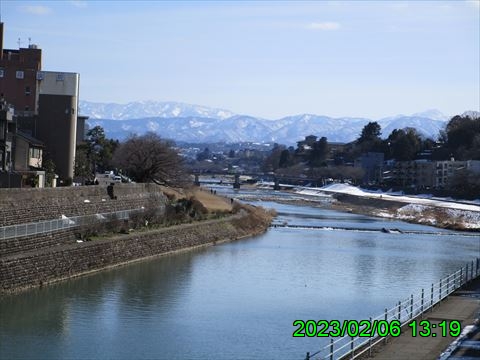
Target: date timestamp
{"x": 382, "y": 328}
{"x": 444, "y": 328}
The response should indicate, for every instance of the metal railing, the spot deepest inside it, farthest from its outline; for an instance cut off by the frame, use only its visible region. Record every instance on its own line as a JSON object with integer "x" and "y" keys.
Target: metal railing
{"x": 63, "y": 223}
{"x": 351, "y": 347}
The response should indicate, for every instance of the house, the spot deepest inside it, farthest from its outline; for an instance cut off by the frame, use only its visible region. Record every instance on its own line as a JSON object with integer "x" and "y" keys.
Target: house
{"x": 28, "y": 160}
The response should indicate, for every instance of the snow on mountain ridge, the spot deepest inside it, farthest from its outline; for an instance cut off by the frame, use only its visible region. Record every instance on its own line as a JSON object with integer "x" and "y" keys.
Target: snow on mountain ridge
{"x": 194, "y": 123}
{"x": 149, "y": 108}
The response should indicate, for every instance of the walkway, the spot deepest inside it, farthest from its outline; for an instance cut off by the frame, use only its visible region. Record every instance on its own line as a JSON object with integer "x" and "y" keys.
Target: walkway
{"x": 463, "y": 306}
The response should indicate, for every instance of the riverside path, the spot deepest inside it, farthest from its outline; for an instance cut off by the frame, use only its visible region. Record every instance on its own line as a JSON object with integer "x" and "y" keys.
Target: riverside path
{"x": 463, "y": 305}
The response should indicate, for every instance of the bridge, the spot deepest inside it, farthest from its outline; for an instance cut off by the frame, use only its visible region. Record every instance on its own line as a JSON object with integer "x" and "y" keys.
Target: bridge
{"x": 279, "y": 181}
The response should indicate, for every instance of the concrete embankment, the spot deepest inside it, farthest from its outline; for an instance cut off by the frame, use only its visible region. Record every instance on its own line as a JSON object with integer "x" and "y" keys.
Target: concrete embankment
{"x": 40, "y": 267}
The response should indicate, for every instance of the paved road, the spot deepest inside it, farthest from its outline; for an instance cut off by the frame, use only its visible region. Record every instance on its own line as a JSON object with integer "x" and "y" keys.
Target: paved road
{"x": 463, "y": 306}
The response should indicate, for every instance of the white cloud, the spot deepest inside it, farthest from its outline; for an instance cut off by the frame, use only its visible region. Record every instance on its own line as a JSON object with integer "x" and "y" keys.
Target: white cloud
{"x": 79, "y": 3}
{"x": 36, "y": 9}
{"x": 327, "y": 25}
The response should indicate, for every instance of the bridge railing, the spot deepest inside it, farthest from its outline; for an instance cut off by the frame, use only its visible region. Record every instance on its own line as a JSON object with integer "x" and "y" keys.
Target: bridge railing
{"x": 64, "y": 223}
{"x": 352, "y": 346}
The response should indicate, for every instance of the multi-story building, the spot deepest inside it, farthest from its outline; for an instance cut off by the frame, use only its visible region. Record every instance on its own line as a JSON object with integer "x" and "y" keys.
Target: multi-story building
{"x": 415, "y": 173}
{"x": 18, "y": 75}
{"x": 425, "y": 174}
{"x": 45, "y": 102}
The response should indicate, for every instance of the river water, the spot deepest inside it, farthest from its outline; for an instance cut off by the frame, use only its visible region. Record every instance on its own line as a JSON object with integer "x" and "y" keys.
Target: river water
{"x": 236, "y": 300}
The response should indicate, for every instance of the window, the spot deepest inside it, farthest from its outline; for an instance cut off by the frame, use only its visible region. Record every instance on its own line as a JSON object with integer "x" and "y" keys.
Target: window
{"x": 27, "y": 90}
{"x": 60, "y": 77}
{"x": 35, "y": 153}
{"x": 2, "y": 73}
{"x": 19, "y": 74}
{"x": 40, "y": 75}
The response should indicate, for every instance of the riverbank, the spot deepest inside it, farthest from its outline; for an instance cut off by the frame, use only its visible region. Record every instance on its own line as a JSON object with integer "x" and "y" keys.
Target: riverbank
{"x": 441, "y": 217}
{"x": 64, "y": 259}
{"x": 445, "y": 218}
{"x": 425, "y": 210}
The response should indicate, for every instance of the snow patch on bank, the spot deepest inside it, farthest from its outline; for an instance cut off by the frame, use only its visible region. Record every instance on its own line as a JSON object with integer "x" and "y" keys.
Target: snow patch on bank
{"x": 422, "y": 208}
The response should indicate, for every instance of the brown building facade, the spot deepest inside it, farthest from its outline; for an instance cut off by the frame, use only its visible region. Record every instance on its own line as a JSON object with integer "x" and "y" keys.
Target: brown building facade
{"x": 45, "y": 103}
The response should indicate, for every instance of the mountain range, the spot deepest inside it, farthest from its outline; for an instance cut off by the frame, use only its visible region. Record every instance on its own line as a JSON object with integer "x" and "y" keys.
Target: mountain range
{"x": 194, "y": 123}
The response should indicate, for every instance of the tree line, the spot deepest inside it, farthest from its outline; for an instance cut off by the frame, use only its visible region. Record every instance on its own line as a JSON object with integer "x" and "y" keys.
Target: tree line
{"x": 459, "y": 140}
{"x": 145, "y": 158}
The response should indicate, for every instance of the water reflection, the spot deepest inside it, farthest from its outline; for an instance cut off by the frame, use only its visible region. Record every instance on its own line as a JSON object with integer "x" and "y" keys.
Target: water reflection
{"x": 230, "y": 301}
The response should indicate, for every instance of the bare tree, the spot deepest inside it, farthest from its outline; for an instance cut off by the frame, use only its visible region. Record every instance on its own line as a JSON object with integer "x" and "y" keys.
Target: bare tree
{"x": 149, "y": 158}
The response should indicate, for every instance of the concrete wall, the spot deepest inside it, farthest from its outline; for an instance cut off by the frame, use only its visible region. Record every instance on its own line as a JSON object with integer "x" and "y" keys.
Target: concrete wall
{"x": 62, "y": 262}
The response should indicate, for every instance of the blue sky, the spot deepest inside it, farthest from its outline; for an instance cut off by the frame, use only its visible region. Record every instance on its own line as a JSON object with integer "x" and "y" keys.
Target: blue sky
{"x": 268, "y": 59}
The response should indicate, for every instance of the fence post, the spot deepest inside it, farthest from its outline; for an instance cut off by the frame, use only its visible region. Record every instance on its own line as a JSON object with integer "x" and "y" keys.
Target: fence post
{"x": 399, "y": 311}
{"x": 440, "y": 291}
{"x": 461, "y": 277}
{"x": 471, "y": 271}
{"x": 308, "y": 356}
{"x": 386, "y": 319}
{"x": 422, "y": 304}
{"x": 351, "y": 347}
{"x": 411, "y": 307}
{"x": 448, "y": 285}
{"x": 370, "y": 342}
{"x": 478, "y": 266}
{"x": 431, "y": 299}
{"x": 331, "y": 349}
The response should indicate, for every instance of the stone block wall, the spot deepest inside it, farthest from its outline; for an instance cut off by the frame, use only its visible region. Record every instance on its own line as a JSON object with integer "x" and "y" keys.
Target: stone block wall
{"x": 28, "y": 243}
{"x": 19, "y": 206}
{"x": 38, "y": 268}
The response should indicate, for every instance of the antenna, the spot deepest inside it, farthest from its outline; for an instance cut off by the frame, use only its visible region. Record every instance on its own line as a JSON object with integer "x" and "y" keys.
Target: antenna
{"x": 19, "y": 42}
{"x": 29, "y": 41}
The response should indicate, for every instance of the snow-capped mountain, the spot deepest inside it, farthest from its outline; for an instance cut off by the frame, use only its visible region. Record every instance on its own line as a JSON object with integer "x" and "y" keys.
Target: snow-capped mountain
{"x": 144, "y": 109}
{"x": 433, "y": 114}
{"x": 192, "y": 123}
{"x": 472, "y": 114}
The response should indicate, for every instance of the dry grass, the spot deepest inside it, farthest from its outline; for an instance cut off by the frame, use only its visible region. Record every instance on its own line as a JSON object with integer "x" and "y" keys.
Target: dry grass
{"x": 213, "y": 203}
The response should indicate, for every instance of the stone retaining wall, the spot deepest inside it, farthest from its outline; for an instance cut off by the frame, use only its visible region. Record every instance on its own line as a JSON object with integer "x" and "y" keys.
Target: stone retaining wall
{"x": 62, "y": 262}
{"x": 28, "y": 243}
{"x": 18, "y": 206}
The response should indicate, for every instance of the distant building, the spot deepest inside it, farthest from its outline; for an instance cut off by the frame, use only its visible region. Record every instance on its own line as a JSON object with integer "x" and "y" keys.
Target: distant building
{"x": 307, "y": 144}
{"x": 425, "y": 174}
{"x": 416, "y": 173}
{"x": 446, "y": 170}
{"x": 45, "y": 102}
{"x": 372, "y": 163}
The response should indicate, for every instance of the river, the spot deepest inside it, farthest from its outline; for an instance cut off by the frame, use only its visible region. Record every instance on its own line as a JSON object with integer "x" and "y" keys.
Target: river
{"x": 236, "y": 300}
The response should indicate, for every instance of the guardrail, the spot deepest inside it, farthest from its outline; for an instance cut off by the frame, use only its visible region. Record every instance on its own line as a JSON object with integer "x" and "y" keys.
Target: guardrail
{"x": 41, "y": 227}
{"x": 404, "y": 312}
